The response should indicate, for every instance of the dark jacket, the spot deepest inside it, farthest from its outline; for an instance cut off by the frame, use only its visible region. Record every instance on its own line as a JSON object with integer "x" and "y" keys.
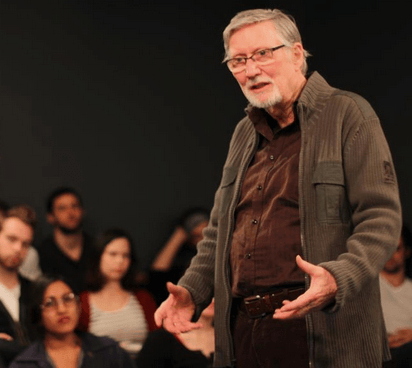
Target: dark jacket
{"x": 54, "y": 262}
{"x": 98, "y": 352}
{"x": 21, "y": 332}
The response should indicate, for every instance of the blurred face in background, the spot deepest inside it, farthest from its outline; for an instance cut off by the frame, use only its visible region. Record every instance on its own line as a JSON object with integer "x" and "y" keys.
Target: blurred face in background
{"x": 67, "y": 213}
{"x": 15, "y": 239}
{"x": 60, "y": 309}
{"x": 115, "y": 260}
{"x": 397, "y": 262}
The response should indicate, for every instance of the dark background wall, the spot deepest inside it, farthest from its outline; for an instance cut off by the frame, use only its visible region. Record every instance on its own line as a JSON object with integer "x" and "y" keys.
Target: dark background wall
{"x": 127, "y": 101}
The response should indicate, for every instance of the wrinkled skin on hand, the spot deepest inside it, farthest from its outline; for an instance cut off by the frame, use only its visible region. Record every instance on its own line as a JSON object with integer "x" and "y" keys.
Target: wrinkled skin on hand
{"x": 176, "y": 312}
{"x": 322, "y": 291}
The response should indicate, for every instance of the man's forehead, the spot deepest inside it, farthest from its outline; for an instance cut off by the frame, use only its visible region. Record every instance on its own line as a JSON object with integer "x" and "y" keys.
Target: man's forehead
{"x": 65, "y": 198}
{"x": 15, "y": 225}
{"x": 10, "y": 222}
{"x": 253, "y": 37}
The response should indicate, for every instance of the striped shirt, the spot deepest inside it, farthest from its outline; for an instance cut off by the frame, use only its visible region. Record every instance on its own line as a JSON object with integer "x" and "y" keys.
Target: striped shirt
{"x": 125, "y": 324}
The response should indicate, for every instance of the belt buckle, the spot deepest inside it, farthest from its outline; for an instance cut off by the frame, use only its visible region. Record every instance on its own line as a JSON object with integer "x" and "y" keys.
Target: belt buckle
{"x": 251, "y": 299}
{"x": 254, "y": 307}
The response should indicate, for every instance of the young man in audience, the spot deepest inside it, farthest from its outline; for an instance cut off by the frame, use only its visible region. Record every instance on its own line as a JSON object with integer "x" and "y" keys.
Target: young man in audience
{"x": 396, "y": 295}
{"x": 30, "y": 268}
{"x": 68, "y": 250}
{"x": 16, "y": 235}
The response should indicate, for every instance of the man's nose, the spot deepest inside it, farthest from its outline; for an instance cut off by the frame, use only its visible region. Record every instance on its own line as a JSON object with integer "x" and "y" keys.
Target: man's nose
{"x": 18, "y": 246}
{"x": 251, "y": 68}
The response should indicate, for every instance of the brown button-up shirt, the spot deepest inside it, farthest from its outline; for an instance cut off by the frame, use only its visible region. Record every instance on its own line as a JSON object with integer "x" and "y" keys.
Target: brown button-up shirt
{"x": 266, "y": 237}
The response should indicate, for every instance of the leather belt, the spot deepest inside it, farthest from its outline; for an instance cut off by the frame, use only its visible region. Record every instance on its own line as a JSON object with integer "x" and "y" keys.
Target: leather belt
{"x": 257, "y": 306}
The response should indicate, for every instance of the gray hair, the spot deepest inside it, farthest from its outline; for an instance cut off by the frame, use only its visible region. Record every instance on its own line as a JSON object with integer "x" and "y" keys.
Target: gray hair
{"x": 284, "y": 24}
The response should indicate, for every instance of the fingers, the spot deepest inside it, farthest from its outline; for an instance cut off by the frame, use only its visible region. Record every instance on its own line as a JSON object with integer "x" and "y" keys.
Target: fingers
{"x": 290, "y": 314}
{"x": 306, "y": 266}
{"x": 158, "y": 318}
{"x": 177, "y": 325}
{"x": 160, "y": 313}
{"x": 180, "y": 293}
{"x": 294, "y": 309}
{"x": 172, "y": 288}
{"x": 176, "y": 312}
{"x": 301, "y": 302}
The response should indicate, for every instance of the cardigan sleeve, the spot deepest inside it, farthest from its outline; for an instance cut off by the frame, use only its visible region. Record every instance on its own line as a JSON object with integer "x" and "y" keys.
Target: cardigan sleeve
{"x": 372, "y": 191}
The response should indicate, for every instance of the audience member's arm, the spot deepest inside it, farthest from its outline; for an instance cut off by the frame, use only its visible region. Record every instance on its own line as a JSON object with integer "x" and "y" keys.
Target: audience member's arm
{"x": 165, "y": 257}
{"x": 400, "y": 337}
{"x": 5, "y": 336}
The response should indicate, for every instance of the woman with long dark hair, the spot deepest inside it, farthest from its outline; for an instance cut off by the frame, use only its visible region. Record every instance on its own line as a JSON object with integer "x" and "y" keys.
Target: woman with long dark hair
{"x": 55, "y": 313}
{"x": 113, "y": 304}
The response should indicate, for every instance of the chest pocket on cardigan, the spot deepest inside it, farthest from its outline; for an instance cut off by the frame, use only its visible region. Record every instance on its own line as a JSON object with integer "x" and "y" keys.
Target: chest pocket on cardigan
{"x": 331, "y": 203}
{"x": 227, "y": 188}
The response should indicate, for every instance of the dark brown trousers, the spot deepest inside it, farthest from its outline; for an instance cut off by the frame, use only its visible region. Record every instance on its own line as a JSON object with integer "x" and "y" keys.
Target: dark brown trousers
{"x": 267, "y": 343}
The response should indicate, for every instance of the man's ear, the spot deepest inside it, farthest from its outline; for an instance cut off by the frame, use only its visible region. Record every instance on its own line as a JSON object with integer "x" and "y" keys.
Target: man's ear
{"x": 297, "y": 54}
{"x": 50, "y": 218}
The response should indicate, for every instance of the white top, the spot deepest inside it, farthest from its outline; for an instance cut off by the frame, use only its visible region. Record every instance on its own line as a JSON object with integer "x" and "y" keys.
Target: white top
{"x": 125, "y": 324}
{"x": 30, "y": 268}
{"x": 396, "y": 304}
{"x": 10, "y": 299}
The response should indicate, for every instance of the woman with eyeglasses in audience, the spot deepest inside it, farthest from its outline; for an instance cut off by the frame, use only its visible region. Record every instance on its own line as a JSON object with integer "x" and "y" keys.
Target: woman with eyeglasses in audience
{"x": 55, "y": 313}
{"x": 113, "y": 304}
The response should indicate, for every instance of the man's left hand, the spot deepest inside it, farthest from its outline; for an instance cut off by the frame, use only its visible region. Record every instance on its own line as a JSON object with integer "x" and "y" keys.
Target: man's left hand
{"x": 322, "y": 291}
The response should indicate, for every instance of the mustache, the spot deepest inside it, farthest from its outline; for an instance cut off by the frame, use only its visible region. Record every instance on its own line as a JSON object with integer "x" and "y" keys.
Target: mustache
{"x": 257, "y": 80}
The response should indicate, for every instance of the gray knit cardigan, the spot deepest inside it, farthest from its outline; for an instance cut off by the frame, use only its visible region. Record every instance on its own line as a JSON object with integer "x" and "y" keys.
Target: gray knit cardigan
{"x": 350, "y": 224}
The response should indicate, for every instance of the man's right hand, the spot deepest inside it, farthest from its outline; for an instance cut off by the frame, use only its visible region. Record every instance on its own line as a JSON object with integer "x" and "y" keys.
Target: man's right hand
{"x": 176, "y": 312}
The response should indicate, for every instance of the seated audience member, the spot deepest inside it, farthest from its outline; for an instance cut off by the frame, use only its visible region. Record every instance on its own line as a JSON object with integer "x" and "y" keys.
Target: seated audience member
{"x": 113, "y": 304}
{"x": 55, "y": 312}
{"x": 30, "y": 268}
{"x": 67, "y": 251}
{"x": 396, "y": 295}
{"x": 16, "y": 235}
{"x": 191, "y": 349}
{"x": 172, "y": 260}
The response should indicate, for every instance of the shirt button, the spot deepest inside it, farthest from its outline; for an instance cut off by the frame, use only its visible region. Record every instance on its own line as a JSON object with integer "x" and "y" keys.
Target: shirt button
{"x": 272, "y": 157}
{"x": 259, "y": 187}
{"x": 248, "y": 256}
{"x": 254, "y": 222}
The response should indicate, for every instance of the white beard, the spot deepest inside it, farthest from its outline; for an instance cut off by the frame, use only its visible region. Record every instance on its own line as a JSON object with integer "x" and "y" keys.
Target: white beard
{"x": 273, "y": 99}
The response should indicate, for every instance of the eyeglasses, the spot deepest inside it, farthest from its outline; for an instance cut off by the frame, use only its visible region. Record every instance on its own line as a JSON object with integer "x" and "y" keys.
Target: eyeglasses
{"x": 260, "y": 57}
{"x": 68, "y": 299}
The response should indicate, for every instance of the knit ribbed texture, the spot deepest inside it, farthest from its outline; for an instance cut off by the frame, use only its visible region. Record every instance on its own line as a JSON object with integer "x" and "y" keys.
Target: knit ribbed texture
{"x": 350, "y": 224}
